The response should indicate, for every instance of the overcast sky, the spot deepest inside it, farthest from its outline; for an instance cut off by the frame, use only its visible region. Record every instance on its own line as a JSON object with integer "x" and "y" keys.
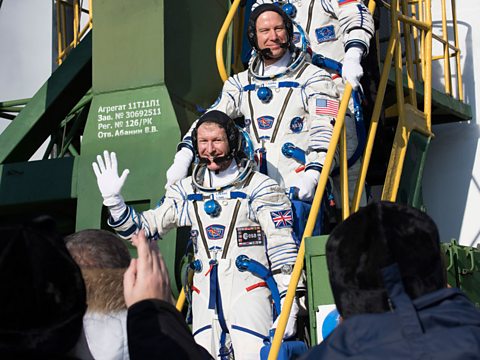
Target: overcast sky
{"x": 26, "y": 43}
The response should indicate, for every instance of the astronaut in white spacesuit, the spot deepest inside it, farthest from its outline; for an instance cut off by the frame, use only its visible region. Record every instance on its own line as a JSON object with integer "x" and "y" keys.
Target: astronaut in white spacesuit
{"x": 338, "y": 30}
{"x": 289, "y": 107}
{"x": 237, "y": 217}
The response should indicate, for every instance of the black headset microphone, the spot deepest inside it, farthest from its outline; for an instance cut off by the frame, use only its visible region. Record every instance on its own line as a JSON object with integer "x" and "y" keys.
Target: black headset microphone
{"x": 267, "y": 53}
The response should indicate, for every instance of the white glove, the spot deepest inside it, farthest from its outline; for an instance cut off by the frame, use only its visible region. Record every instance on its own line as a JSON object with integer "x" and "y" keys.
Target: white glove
{"x": 306, "y": 182}
{"x": 291, "y": 328}
{"x": 109, "y": 183}
{"x": 352, "y": 71}
{"x": 179, "y": 169}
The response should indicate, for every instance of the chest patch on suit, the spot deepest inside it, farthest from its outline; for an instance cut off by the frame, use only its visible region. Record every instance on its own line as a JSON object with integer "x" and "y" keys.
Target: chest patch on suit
{"x": 325, "y": 33}
{"x": 282, "y": 218}
{"x": 215, "y": 232}
{"x": 265, "y": 122}
{"x": 249, "y": 236}
{"x": 296, "y": 125}
{"x": 296, "y": 37}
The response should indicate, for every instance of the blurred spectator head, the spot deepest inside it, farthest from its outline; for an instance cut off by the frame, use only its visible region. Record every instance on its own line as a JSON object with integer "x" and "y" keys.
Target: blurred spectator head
{"x": 373, "y": 238}
{"x": 43, "y": 299}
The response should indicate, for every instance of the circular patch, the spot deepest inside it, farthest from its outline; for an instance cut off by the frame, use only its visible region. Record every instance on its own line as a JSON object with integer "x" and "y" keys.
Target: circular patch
{"x": 330, "y": 322}
{"x": 296, "y": 125}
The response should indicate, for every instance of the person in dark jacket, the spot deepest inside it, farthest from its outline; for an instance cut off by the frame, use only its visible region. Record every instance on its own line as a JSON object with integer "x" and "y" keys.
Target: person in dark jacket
{"x": 155, "y": 328}
{"x": 389, "y": 285}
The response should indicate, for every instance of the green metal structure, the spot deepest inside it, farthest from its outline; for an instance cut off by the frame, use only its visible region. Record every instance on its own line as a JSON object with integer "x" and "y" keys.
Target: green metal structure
{"x": 133, "y": 85}
{"x": 139, "y": 86}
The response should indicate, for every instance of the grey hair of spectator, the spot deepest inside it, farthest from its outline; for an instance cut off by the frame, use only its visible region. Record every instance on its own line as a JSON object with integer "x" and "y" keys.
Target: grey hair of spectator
{"x": 95, "y": 248}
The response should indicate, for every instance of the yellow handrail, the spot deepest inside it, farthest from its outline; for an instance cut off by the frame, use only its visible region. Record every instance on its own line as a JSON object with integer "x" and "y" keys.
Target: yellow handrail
{"x": 297, "y": 269}
{"x": 78, "y": 34}
{"x": 221, "y": 37}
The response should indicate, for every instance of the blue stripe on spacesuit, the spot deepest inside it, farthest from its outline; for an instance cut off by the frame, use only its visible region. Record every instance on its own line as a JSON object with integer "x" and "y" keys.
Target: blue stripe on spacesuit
{"x": 238, "y": 195}
{"x": 327, "y": 6}
{"x": 207, "y": 327}
{"x": 127, "y": 233}
{"x": 314, "y": 166}
{"x": 122, "y": 219}
{"x": 248, "y": 331}
{"x": 215, "y": 302}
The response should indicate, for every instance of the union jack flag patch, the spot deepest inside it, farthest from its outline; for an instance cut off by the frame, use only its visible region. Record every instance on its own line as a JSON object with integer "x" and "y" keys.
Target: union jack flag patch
{"x": 326, "y": 107}
{"x": 282, "y": 218}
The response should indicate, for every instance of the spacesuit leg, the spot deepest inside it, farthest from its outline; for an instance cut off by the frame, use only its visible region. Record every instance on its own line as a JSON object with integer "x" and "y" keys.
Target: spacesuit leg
{"x": 205, "y": 327}
{"x": 250, "y": 319}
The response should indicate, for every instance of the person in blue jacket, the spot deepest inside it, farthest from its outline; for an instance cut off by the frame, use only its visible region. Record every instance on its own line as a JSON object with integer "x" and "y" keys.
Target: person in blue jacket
{"x": 389, "y": 284}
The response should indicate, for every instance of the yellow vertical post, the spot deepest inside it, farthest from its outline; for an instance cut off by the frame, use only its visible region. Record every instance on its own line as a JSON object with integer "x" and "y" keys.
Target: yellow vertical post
{"x": 90, "y": 11}
{"x": 76, "y": 22}
{"x": 297, "y": 269}
{"x": 344, "y": 174}
{"x": 457, "y": 52}
{"x": 377, "y": 109}
{"x": 416, "y": 40}
{"x": 397, "y": 156}
{"x": 412, "y": 94}
{"x": 427, "y": 102}
{"x": 422, "y": 38}
{"x": 59, "y": 32}
{"x": 446, "y": 50}
{"x": 64, "y": 30}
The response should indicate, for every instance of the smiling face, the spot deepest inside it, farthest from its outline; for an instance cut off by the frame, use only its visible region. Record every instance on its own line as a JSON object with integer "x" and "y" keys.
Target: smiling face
{"x": 212, "y": 143}
{"x": 271, "y": 33}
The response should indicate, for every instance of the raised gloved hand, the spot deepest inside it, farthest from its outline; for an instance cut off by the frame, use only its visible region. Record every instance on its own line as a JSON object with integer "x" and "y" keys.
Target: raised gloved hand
{"x": 306, "y": 182}
{"x": 179, "y": 169}
{"x": 352, "y": 71}
{"x": 109, "y": 183}
{"x": 291, "y": 328}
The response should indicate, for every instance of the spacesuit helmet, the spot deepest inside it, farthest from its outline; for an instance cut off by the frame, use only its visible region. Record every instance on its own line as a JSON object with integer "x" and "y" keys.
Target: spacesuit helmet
{"x": 252, "y": 21}
{"x": 233, "y": 134}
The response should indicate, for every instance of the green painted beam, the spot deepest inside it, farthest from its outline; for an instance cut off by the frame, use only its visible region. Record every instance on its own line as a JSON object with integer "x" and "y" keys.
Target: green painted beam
{"x": 318, "y": 284}
{"x": 37, "y": 181}
{"x": 445, "y": 108}
{"x": 410, "y": 187}
{"x": 49, "y": 106}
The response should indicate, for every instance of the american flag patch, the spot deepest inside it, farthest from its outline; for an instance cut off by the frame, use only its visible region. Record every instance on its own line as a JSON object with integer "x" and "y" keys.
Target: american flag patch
{"x": 326, "y": 107}
{"x": 282, "y": 218}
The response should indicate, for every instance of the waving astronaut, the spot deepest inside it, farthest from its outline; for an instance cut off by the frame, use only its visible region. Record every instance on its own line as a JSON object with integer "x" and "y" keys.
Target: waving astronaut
{"x": 289, "y": 106}
{"x": 238, "y": 217}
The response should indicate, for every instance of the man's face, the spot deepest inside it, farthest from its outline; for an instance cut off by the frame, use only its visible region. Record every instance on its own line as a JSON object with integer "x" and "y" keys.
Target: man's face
{"x": 271, "y": 33}
{"x": 212, "y": 143}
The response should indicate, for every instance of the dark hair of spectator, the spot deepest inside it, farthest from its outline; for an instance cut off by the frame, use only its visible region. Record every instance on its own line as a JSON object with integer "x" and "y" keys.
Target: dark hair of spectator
{"x": 43, "y": 299}
{"x": 376, "y": 236}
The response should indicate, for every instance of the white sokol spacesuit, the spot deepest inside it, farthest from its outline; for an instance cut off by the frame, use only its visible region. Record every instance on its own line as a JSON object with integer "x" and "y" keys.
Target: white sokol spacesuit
{"x": 340, "y": 30}
{"x": 332, "y": 26}
{"x": 235, "y": 212}
{"x": 301, "y": 112}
